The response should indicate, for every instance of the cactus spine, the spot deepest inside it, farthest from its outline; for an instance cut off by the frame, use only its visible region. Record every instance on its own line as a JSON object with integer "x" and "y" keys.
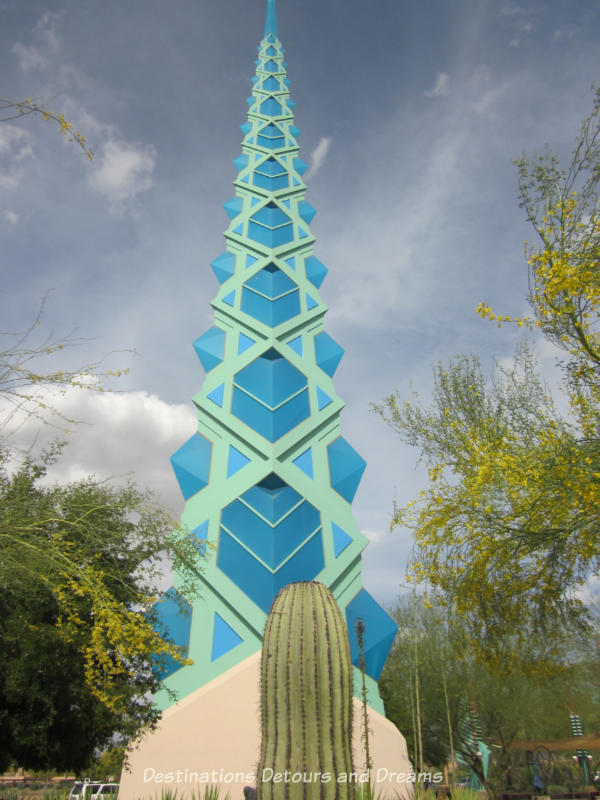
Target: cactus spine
{"x": 306, "y": 698}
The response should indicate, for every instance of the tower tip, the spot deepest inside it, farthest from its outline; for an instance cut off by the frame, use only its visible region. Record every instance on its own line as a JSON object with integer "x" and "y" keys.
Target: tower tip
{"x": 271, "y": 21}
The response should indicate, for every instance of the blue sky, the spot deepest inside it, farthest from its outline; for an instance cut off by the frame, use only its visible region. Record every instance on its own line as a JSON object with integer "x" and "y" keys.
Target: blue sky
{"x": 411, "y": 114}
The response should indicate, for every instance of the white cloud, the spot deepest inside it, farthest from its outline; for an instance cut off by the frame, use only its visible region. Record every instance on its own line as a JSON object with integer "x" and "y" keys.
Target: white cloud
{"x": 512, "y": 10}
{"x": 122, "y": 170}
{"x": 8, "y": 180}
{"x": 15, "y": 146}
{"x": 45, "y": 29}
{"x": 318, "y": 156}
{"x": 125, "y": 436}
{"x": 30, "y": 57}
{"x": 565, "y": 33}
{"x": 441, "y": 86}
{"x": 522, "y": 22}
{"x": 37, "y": 57}
{"x": 526, "y": 28}
{"x": 485, "y": 93}
{"x": 15, "y": 142}
{"x": 10, "y": 216}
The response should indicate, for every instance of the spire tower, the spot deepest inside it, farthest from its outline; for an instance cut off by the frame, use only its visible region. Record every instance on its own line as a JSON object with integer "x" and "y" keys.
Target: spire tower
{"x": 271, "y": 21}
{"x": 268, "y": 479}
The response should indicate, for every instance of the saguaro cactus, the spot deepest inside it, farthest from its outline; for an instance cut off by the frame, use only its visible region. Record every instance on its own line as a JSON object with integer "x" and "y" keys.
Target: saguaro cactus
{"x": 306, "y": 698}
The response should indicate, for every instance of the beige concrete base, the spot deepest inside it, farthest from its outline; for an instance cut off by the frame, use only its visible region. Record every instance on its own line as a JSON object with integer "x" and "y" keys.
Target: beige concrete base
{"x": 213, "y": 737}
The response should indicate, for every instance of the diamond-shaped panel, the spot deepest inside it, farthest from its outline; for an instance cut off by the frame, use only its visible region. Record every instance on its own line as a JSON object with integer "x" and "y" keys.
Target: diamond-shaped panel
{"x": 271, "y": 108}
{"x": 271, "y": 136}
{"x": 270, "y": 395}
{"x": 271, "y": 378}
{"x": 345, "y": 468}
{"x": 327, "y": 352}
{"x": 270, "y": 226}
{"x": 272, "y": 543}
{"x": 271, "y": 297}
{"x": 271, "y": 175}
{"x": 272, "y": 498}
{"x": 210, "y": 347}
{"x": 379, "y": 632}
{"x": 223, "y": 266}
{"x": 315, "y": 270}
{"x": 258, "y": 582}
{"x": 306, "y": 211}
{"x": 191, "y": 465}
{"x": 272, "y": 424}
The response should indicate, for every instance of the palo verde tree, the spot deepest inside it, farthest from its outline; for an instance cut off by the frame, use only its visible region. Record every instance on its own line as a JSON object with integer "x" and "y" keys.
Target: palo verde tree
{"x": 17, "y": 109}
{"x": 79, "y": 569}
{"x": 508, "y": 528}
{"x": 432, "y": 651}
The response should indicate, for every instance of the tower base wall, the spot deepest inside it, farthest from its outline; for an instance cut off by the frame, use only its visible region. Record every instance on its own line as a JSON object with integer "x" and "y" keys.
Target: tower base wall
{"x": 212, "y": 737}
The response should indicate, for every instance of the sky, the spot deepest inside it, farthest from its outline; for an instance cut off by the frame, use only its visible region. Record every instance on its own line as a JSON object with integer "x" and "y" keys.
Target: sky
{"x": 411, "y": 115}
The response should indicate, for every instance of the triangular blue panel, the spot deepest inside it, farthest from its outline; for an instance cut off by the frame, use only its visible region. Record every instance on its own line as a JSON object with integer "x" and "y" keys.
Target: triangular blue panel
{"x": 296, "y": 345}
{"x": 246, "y": 127}
{"x": 244, "y": 343}
{"x": 291, "y": 262}
{"x": 172, "y": 619}
{"x": 305, "y": 463}
{"x": 224, "y": 638}
{"x": 241, "y": 161}
{"x": 236, "y": 461}
{"x": 341, "y": 539}
{"x": 310, "y": 302}
{"x": 239, "y": 229}
{"x": 302, "y": 233}
{"x": 229, "y": 298}
{"x": 250, "y": 260}
{"x": 217, "y": 395}
{"x": 199, "y": 536}
{"x": 322, "y": 398}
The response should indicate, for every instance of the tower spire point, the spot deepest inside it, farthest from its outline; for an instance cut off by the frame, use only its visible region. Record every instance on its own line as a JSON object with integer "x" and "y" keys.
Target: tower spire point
{"x": 271, "y": 20}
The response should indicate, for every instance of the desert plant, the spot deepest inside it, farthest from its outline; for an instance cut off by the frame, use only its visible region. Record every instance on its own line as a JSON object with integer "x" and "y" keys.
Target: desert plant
{"x": 306, "y": 698}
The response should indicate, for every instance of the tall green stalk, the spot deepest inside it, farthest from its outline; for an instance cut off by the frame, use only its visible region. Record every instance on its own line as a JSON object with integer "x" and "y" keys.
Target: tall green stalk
{"x": 360, "y": 633}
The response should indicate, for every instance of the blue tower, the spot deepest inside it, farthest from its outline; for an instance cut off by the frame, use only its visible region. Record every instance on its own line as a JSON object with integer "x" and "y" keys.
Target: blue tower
{"x": 268, "y": 478}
